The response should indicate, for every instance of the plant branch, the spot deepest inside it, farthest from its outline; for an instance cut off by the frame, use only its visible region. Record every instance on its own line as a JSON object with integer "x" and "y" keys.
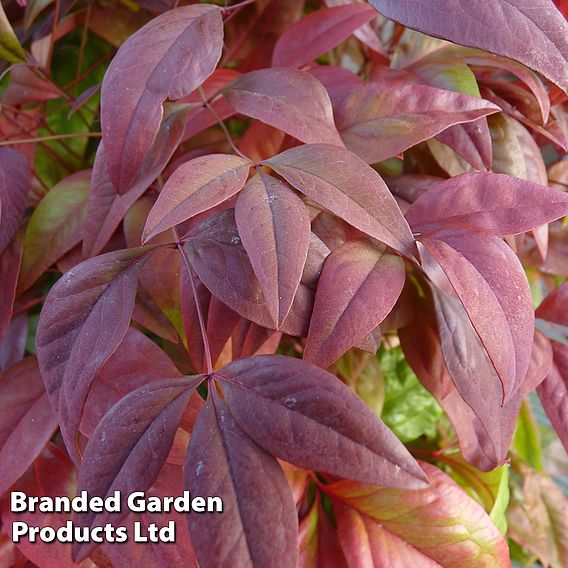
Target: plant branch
{"x": 202, "y": 329}
{"x": 54, "y": 137}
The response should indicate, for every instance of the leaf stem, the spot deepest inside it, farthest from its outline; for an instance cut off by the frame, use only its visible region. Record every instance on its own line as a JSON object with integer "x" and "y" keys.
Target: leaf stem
{"x": 208, "y": 106}
{"x": 54, "y": 137}
{"x": 200, "y": 318}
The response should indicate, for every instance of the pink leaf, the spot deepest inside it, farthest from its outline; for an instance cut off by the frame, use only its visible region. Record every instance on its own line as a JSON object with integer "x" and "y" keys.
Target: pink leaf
{"x": 358, "y": 287}
{"x": 274, "y": 226}
{"x": 291, "y": 100}
{"x": 507, "y": 29}
{"x": 340, "y": 181}
{"x": 168, "y": 58}
{"x": 195, "y": 187}
{"x": 381, "y": 119}
{"x": 223, "y": 461}
{"x": 319, "y": 32}
{"x": 496, "y": 203}
{"x": 306, "y": 416}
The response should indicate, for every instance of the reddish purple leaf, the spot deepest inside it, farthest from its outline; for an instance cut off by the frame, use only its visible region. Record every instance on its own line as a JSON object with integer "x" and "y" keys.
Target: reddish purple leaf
{"x": 340, "y": 181}
{"x": 10, "y": 260}
{"x": 507, "y": 29}
{"x": 306, "y": 416}
{"x": 541, "y": 363}
{"x": 291, "y": 100}
{"x": 195, "y": 187}
{"x": 496, "y": 203}
{"x": 107, "y": 208}
{"x": 14, "y": 187}
{"x": 248, "y": 339}
{"x": 553, "y": 307}
{"x": 84, "y": 319}
{"x": 358, "y": 287}
{"x": 381, "y": 119}
{"x": 452, "y": 364}
{"x": 553, "y": 392}
{"x": 319, "y": 32}
{"x": 215, "y": 251}
{"x": 13, "y": 346}
{"x": 27, "y": 421}
{"x": 223, "y": 461}
{"x": 487, "y": 277}
{"x": 168, "y": 58}
{"x": 274, "y": 226}
{"x": 137, "y": 361}
{"x": 129, "y": 447}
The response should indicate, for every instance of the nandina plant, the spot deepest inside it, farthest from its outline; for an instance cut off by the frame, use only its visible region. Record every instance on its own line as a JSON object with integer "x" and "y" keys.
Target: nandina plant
{"x": 287, "y": 254}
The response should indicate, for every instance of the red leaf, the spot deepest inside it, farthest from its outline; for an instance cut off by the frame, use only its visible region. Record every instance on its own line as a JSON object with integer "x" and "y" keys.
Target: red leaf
{"x": 168, "y": 58}
{"x": 340, "y": 181}
{"x": 14, "y": 187}
{"x": 129, "y": 447}
{"x": 27, "y": 421}
{"x": 507, "y": 29}
{"x": 13, "y": 346}
{"x": 439, "y": 526}
{"x": 541, "y": 363}
{"x": 274, "y": 226}
{"x": 291, "y": 100}
{"x": 223, "y": 461}
{"x": 306, "y": 416}
{"x": 496, "y": 203}
{"x": 358, "y": 287}
{"x": 487, "y": 277}
{"x": 319, "y": 32}
{"x": 195, "y": 187}
{"x": 84, "y": 318}
{"x": 382, "y": 119}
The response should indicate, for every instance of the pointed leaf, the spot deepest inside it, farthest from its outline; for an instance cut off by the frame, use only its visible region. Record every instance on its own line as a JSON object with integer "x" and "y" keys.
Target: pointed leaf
{"x": 196, "y": 186}
{"x": 490, "y": 282}
{"x": 381, "y": 119}
{"x": 129, "y": 447}
{"x": 223, "y": 461}
{"x": 496, "y": 203}
{"x": 319, "y": 32}
{"x": 10, "y": 260}
{"x": 439, "y": 526}
{"x": 215, "y": 251}
{"x": 358, "y": 287}
{"x": 291, "y": 100}
{"x": 10, "y": 48}
{"x": 14, "y": 187}
{"x": 507, "y": 29}
{"x": 340, "y": 181}
{"x": 27, "y": 421}
{"x": 309, "y": 418}
{"x": 168, "y": 58}
{"x": 55, "y": 227}
{"x": 274, "y": 226}
{"x": 84, "y": 318}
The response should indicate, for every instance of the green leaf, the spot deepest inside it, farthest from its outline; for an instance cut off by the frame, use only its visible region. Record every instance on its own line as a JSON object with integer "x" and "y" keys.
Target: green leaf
{"x": 526, "y": 442}
{"x": 10, "y": 48}
{"x": 489, "y": 488}
{"x": 409, "y": 409}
